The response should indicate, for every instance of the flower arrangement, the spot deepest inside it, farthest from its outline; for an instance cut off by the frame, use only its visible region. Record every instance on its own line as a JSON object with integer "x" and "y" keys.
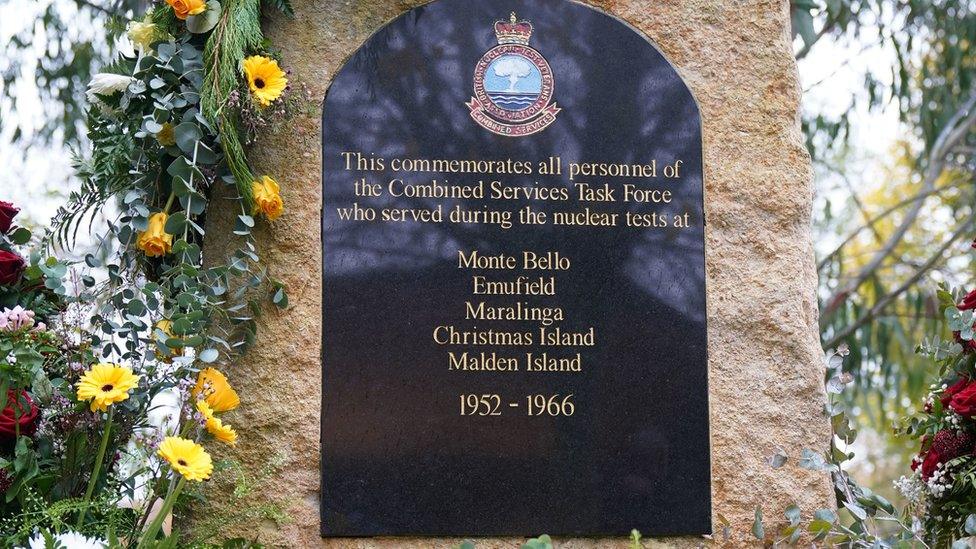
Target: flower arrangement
{"x": 942, "y": 487}
{"x": 112, "y": 398}
{"x": 68, "y": 421}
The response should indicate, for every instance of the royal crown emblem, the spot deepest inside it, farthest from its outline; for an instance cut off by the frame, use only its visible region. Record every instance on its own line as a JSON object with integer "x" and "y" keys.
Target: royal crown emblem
{"x": 513, "y": 84}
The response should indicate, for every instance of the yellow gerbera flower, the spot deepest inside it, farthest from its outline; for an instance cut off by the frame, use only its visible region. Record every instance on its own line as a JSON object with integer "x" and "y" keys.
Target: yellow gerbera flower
{"x": 186, "y": 458}
{"x": 216, "y": 427}
{"x": 213, "y": 387}
{"x": 267, "y": 198}
{"x": 105, "y": 384}
{"x": 265, "y": 79}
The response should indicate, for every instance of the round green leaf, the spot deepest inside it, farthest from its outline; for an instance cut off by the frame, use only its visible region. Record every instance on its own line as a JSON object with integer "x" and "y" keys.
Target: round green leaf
{"x": 208, "y": 355}
{"x": 20, "y": 236}
{"x": 175, "y": 223}
{"x": 205, "y": 21}
{"x": 187, "y": 135}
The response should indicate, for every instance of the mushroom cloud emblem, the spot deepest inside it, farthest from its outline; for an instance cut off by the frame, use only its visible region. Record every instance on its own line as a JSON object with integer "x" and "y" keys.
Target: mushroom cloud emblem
{"x": 512, "y": 68}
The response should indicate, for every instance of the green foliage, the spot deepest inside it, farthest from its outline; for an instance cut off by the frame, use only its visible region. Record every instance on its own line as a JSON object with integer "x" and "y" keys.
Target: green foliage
{"x": 758, "y": 530}
{"x": 943, "y": 494}
{"x": 146, "y": 296}
{"x": 545, "y": 542}
{"x": 862, "y": 510}
{"x": 210, "y": 308}
{"x": 933, "y": 71}
{"x": 237, "y": 34}
{"x": 875, "y": 285}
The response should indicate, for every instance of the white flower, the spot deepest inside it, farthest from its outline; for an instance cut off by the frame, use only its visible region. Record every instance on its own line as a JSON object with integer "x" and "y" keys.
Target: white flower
{"x": 69, "y": 540}
{"x": 105, "y": 83}
{"x": 144, "y": 33}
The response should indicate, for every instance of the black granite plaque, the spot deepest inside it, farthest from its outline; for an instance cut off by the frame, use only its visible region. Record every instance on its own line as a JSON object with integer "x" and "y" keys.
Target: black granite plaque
{"x": 514, "y": 300}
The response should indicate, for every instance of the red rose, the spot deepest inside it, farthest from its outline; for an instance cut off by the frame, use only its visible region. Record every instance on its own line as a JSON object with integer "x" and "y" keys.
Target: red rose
{"x": 968, "y": 302}
{"x": 18, "y": 412}
{"x": 956, "y": 387}
{"x": 11, "y": 267}
{"x": 7, "y": 214}
{"x": 932, "y": 459}
{"x": 964, "y": 401}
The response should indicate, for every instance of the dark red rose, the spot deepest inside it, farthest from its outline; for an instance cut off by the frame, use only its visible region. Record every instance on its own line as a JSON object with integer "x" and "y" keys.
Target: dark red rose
{"x": 7, "y": 214}
{"x": 964, "y": 401}
{"x": 955, "y": 388}
{"x": 932, "y": 459}
{"x": 11, "y": 267}
{"x": 968, "y": 302}
{"x": 18, "y": 412}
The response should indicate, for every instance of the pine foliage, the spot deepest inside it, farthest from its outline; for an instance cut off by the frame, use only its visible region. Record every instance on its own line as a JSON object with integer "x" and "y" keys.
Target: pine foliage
{"x": 237, "y": 33}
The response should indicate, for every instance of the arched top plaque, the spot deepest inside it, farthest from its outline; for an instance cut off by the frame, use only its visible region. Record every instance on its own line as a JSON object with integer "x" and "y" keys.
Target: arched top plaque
{"x": 514, "y": 334}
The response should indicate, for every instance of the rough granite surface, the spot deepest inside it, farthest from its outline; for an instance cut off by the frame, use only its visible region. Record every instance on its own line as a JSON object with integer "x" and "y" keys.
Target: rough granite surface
{"x": 765, "y": 367}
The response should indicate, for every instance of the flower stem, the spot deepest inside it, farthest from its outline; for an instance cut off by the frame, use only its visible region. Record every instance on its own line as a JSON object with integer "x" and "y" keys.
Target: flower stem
{"x": 169, "y": 203}
{"x": 97, "y": 469}
{"x": 149, "y": 536}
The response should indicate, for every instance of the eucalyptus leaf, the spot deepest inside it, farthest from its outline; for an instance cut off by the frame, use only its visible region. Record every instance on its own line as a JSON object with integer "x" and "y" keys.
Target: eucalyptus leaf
{"x": 971, "y": 525}
{"x": 856, "y": 510}
{"x": 20, "y": 236}
{"x": 151, "y": 126}
{"x": 803, "y": 26}
{"x": 812, "y": 460}
{"x": 182, "y": 168}
{"x": 137, "y": 87}
{"x": 165, "y": 51}
{"x": 187, "y": 136}
{"x": 195, "y": 203}
{"x": 176, "y": 223}
{"x": 819, "y": 528}
{"x": 778, "y": 459}
{"x": 757, "y": 525}
{"x": 208, "y": 355}
{"x": 825, "y": 515}
{"x": 203, "y": 22}
{"x": 205, "y": 155}
{"x": 793, "y": 515}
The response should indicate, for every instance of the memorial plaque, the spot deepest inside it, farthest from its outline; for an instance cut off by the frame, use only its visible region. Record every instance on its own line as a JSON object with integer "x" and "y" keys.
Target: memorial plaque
{"x": 513, "y": 313}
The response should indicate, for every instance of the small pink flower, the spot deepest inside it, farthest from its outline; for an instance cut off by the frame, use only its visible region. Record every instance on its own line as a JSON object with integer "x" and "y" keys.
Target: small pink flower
{"x": 16, "y": 319}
